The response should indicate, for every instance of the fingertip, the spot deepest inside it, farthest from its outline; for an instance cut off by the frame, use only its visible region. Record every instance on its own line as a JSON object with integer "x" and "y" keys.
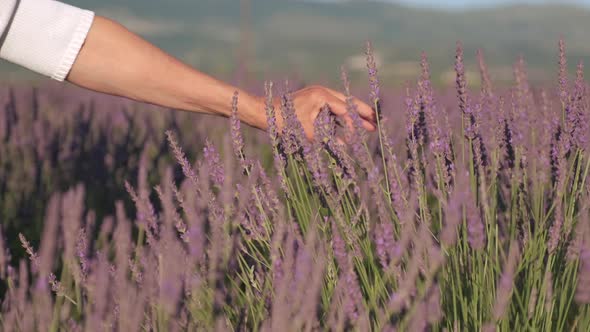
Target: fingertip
{"x": 368, "y": 113}
{"x": 369, "y": 126}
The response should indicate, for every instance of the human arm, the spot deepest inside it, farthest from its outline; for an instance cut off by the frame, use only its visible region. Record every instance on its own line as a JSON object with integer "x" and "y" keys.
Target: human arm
{"x": 148, "y": 74}
{"x": 116, "y": 61}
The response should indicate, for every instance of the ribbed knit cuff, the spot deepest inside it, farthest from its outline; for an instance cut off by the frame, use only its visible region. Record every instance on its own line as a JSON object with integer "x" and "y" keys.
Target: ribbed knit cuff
{"x": 6, "y": 12}
{"x": 73, "y": 49}
{"x": 46, "y": 36}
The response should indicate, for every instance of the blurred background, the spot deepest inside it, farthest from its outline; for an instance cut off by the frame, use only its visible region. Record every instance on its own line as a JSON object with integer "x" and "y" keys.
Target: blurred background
{"x": 251, "y": 40}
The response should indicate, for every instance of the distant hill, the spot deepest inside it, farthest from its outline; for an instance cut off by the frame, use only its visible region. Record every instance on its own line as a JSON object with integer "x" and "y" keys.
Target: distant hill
{"x": 314, "y": 39}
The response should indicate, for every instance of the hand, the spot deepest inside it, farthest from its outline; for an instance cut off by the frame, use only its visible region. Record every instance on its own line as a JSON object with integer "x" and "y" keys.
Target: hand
{"x": 309, "y": 101}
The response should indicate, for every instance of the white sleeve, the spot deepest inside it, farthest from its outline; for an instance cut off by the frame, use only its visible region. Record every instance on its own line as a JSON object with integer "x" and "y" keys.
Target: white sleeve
{"x": 44, "y": 36}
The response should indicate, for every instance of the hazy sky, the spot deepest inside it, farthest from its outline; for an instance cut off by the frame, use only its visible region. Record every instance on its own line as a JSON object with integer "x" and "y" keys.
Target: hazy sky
{"x": 463, "y": 4}
{"x": 481, "y": 3}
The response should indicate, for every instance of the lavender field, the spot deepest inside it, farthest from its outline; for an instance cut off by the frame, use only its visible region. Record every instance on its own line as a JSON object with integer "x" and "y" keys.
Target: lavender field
{"x": 467, "y": 210}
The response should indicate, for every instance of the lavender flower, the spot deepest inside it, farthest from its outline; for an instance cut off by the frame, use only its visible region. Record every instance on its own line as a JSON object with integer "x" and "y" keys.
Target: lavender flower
{"x": 81, "y": 252}
{"x": 354, "y": 296}
{"x": 273, "y": 132}
{"x": 271, "y": 200}
{"x": 506, "y": 283}
{"x": 475, "y": 227}
{"x": 338, "y": 247}
{"x": 433, "y": 306}
{"x": 583, "y": 287}
{"x": 563, "y": 80}
{"x": 293, "y": 134}
{"x": 486, "y": 86}
{"x": 453, "y": 212}
{"x": 578, "y": 117}
{"x": 384, "y": 239}
{"x": 182, "y": 160}
{"x": 460, "y": 81}
{"x": 145, "y": 215}
{"x": 325, "y": 133}
{"x": 237, "y": 139}
{"x": 56, "y": 286}
{"x": 398, "y": 188}
{"x": 560, "y": 156}
{"x": 358, "y": 136}
{"x": 433, "y": 129}
{"x": 504, "y": 135}
{"x": 440, "y": 143}
{"x": 297, "y": 144}
{"x": 4, "y": 256}
{"x": 548, "y": 281}
{"x": 30, "y": 251}
{"x": 214, "y": 164}
{"x": 414, "y": 165}
{"x": 373, "y": 79}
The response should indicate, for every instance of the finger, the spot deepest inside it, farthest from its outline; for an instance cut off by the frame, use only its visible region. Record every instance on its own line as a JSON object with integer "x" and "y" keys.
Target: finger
{"x": 339, "y": 108}
{"x": 369, "y": 125}
{"x": 337, "y": 94}
{"x": 364, "y": 110}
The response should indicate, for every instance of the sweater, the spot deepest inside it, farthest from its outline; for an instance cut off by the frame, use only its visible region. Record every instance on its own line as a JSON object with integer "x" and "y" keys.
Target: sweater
{"x": 44, "y": 36}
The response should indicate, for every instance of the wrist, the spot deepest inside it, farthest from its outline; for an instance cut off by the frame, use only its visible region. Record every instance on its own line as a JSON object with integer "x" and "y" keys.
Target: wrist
{"x": 252, "y": 110}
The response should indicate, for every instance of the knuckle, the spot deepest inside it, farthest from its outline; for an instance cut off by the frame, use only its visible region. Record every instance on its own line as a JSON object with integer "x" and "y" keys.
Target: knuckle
{"x": 318, "y": 95}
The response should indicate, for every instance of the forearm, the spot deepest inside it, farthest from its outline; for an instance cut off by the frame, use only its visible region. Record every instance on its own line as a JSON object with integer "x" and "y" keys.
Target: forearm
{"x": 116, "y": 61}
{"x": 65, "y": 42}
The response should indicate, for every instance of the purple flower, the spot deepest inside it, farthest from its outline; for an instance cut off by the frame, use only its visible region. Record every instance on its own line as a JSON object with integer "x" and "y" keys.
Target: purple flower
{"x": 374, "y": 180}
{"x": 506, "y": 282}
{"x": 476, "y": 234}
{"x": 583, "y": 287}
{"x": 581, "y": 231}
{"x": 325, "y": 134}
{"x": 236, "y": 134}
{"x": 559, "y": 154}
{"x": 273, "y": 132}
{"x": 182, "y": 160}
{"x": 548, "y": 281}
{"x": 146, "y": 216}
{"x": 433, "y": 308}
{"x": 358, "y": 136}
{"x": 384, "y": 242}
{"x": 338, "y": 247}
{"x": 504, "y": 136}
{"x": 486, "y": 82}
{"x": 453, "y": 211}
{"x": 440, "y": 143}
{"x": 324, "y": 126}
{"x": 578, "y": 115}
{"x": 81, "y": 252}
{"x": 30, "y": 251}
{"x": 354, "y": 297}
{"x": 296, "y": 143}
{"x": 266, "y": 190}
{"x": 373, "y": 79}
{"x": 216, "y": 170}
{"x": 293, "y": 135}
{"x": 56, "y": 286}
{"x": 398, "y": 190}
{"x": 460, "y": 81}
{"x": 563, "y": 80}
{"x": 4, "y": 256}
